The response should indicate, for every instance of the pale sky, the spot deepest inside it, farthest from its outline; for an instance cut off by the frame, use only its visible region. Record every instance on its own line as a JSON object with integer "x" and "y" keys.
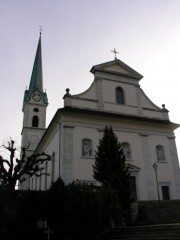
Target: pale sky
{"x": 78, "y": 34}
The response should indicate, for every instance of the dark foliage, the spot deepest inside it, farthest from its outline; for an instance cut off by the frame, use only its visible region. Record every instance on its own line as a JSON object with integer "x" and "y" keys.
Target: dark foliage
{"x": 110, "y": 166}
{"x": 20, "y": 213}
{"x": 83, "y": 210}
{"x": 76, "y": 211}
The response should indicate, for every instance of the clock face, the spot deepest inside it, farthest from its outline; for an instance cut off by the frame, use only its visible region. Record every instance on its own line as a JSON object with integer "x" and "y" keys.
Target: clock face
{"x": 36, "y": 97}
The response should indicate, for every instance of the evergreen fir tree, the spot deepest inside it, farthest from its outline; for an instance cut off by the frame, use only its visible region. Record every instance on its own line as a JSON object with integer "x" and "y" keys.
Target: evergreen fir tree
{"x": 110, "y": 166}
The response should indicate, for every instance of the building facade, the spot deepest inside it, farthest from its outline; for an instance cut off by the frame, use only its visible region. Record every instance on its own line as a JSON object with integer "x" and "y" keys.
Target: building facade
{"x": 114, "y": 99}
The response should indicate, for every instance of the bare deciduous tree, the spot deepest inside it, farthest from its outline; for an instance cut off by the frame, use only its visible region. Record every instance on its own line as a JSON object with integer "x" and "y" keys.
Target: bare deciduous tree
{"x": 15, "y": 169}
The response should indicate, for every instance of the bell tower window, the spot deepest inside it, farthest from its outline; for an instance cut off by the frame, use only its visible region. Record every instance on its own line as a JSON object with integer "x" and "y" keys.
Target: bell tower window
{"x": 35, "y": 121}
{"x": 36, "y": 110}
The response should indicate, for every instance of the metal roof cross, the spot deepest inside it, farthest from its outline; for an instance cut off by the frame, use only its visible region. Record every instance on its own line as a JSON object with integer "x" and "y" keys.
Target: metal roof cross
{"x": 115, "y": 52}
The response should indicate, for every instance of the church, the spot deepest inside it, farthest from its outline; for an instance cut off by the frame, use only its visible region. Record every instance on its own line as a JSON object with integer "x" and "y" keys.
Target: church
{"x": 114, "y": 99}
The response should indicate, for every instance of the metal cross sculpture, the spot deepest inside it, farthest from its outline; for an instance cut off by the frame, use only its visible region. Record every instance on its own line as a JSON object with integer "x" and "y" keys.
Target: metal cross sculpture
{"x": 115, "y": 52}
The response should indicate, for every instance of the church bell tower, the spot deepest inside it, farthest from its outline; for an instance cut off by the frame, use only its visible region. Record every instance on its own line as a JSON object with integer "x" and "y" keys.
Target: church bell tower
{"x": 34, "y": 106}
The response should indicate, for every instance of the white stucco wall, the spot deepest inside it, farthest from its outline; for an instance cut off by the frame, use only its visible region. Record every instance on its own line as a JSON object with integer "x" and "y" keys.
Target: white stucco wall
{"x": 142, "y": 134}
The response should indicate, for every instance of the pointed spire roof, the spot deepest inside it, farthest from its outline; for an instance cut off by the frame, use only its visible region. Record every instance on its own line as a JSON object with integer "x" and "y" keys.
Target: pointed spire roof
{"x": 36, "y": 82}
{"x": 37, "y": 76}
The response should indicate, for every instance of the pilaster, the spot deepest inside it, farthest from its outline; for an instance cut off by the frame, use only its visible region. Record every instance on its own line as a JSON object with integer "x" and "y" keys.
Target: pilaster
{"x": 100, "y": 93}
{"x": 175, "y": 165}
{"x": 148, "y": 169}
{"x": 67, "y": 154}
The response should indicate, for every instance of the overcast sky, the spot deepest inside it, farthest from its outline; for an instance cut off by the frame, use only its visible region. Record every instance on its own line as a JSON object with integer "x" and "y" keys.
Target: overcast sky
{"x": 78, "y": 34}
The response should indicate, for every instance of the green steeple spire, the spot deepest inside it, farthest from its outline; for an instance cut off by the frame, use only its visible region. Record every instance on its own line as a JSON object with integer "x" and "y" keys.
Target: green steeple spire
{"x": 37, "y": 76}
{"x": 36, "y": 82}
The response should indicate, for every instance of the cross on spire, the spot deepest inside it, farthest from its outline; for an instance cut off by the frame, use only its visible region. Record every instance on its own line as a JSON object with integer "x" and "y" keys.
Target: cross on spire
{"x": 115, "y": 52}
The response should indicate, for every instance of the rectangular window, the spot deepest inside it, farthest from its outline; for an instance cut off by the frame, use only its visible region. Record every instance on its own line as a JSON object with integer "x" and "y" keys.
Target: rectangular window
{"x": 46, "y": 170}
{"x": 40, "y": 180}
{"x": 35, "y": 183}
{"x": 133, "y": 188}
{"x": 165, "y": 192}
{"x": 32, "y": 183}
{"x": 52, "y": 167}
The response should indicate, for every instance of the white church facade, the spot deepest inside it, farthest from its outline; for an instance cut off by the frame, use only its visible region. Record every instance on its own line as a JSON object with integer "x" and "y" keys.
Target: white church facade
{"x": 114, "y": 99}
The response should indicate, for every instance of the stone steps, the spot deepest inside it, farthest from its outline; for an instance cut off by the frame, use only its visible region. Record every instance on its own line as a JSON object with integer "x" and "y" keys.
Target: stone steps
{"x": 158, "y": 216}
{"x": 154, "y": 222}
{"x": 151, "y": 232}
{"x": 151, "y": 213}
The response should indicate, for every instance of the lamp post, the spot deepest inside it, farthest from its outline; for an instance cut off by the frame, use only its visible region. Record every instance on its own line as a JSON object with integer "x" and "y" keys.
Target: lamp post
{"x": 155, "y": 166}
{"x": 44, "y": 225}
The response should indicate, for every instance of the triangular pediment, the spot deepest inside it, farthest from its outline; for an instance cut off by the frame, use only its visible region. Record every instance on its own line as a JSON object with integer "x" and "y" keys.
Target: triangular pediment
{"x": 116, "y": 67}
{"x": 133, "y": 168}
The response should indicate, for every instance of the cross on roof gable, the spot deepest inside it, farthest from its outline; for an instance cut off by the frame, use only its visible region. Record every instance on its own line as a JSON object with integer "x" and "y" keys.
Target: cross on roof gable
{"x": 116, "y": 67}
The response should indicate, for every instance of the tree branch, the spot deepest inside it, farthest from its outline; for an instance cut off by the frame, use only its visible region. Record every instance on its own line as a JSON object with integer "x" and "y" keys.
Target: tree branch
{"x": 19, "y": 168}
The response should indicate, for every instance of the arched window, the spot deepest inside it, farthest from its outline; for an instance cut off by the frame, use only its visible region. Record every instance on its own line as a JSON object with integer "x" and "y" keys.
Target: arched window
{"x": 127, "y": 150}
{"x": 160, "y": 153}
{"x": 86, "y": 147}
{"x": 119, "y": 95}
{"x": 35, "y": 121}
